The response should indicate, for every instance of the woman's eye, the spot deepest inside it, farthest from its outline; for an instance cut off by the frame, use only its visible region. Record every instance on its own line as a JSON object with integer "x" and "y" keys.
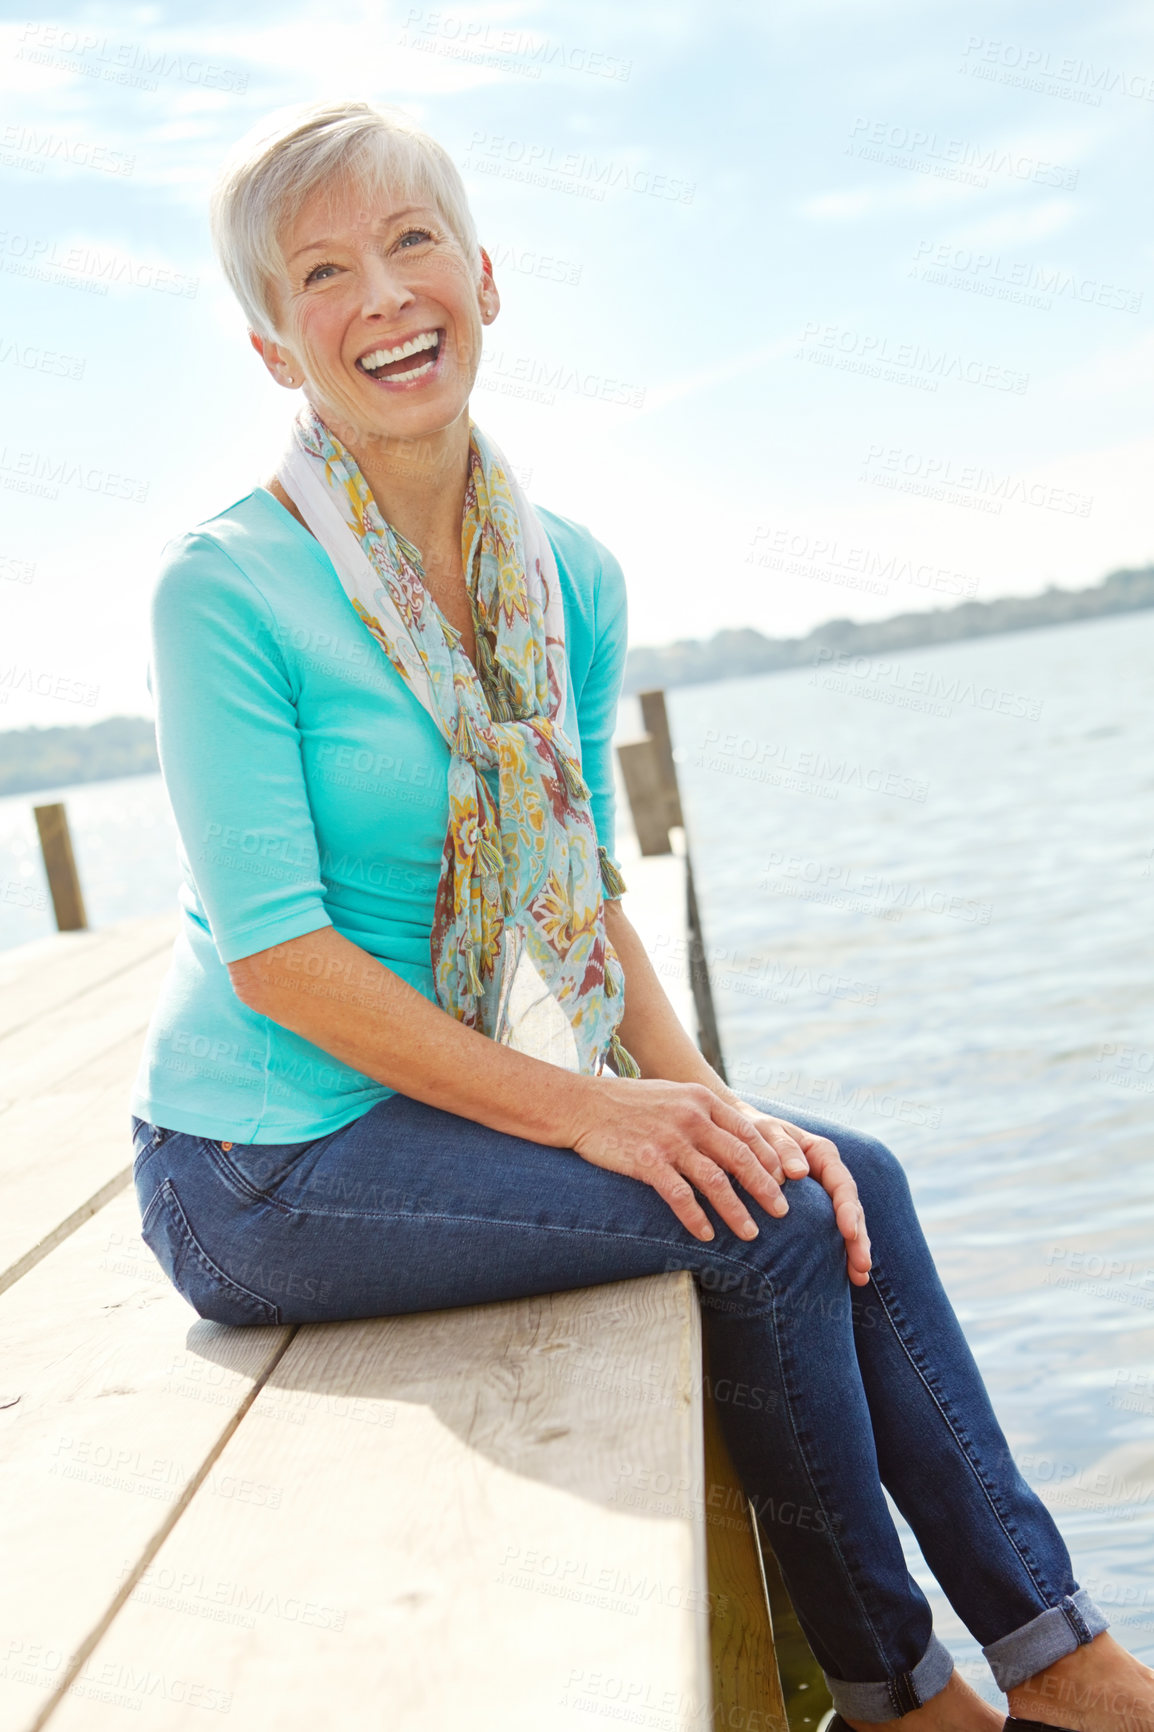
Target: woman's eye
{"x": 316, "y": 275}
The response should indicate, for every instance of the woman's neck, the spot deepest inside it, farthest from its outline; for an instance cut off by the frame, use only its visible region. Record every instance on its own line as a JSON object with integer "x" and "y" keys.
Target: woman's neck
{"x": 419, "y": 486}
{"x": 419, "y": 483}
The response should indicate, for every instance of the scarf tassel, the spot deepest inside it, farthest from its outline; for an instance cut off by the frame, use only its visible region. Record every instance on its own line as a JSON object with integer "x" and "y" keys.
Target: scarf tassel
{"x": 612, "y": 883}
{"x": 625, "y": 1063}
{"x": 490, "y": 858}
{"x": 496, "y": 680}
{"x": 573, "y": 778}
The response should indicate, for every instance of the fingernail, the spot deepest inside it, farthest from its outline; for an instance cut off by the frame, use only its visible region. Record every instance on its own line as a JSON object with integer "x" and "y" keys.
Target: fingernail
{"x": 708, "y": 1233}
{"x": 749, "y": 1231}
{"x": 781, "y": 1207}
{"x": 796, "y": 1166}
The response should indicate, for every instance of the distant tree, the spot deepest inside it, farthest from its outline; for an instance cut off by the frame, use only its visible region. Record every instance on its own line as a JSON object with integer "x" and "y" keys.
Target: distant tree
{"x": 32, "y": 758}
{"x": 734, "y": 654}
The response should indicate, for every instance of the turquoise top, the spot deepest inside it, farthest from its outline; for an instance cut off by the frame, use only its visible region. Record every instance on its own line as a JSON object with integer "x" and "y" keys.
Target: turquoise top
{"x": 310, "y": 789}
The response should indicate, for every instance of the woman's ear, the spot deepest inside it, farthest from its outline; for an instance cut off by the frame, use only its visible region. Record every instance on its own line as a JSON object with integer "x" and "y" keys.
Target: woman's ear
{"x": 279, "y": 364}
{"x": 489, "y": 297}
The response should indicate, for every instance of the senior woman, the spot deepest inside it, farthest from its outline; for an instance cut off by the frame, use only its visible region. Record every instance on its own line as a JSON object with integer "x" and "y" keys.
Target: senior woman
{"x": 411, "y": 1053}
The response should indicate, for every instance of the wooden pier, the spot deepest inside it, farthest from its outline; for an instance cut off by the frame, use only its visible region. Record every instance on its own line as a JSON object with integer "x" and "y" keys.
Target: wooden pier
{"x": 507, "y": 1518}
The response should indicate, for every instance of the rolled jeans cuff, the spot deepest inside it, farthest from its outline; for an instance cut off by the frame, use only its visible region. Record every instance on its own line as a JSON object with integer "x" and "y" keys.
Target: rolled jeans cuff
{"x": 898, "y": 1695}
{"x": 1048, "y": 1637}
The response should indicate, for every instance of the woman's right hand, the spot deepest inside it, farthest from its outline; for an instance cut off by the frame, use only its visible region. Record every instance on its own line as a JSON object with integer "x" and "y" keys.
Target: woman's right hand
{"x": 682, "y": 1138}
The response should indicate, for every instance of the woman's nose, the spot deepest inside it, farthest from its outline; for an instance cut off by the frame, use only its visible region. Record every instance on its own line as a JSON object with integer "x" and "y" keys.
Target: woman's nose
{"x": 383, "y": 289}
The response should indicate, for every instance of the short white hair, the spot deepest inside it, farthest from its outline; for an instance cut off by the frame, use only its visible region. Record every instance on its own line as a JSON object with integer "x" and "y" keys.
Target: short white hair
{"x": 271, "y": 172}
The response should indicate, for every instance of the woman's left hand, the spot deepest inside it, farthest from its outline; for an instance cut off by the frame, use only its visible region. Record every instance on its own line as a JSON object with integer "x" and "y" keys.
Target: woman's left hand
{"x": 801, "y": 1154}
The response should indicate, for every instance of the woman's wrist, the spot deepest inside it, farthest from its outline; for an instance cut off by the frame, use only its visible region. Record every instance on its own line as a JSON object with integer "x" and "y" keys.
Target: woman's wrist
{"x": 733, "y": 1099}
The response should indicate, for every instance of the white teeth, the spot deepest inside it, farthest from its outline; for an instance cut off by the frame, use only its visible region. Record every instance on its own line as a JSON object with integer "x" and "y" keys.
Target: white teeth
{"x": 413, "y": 372}
{"x": 381, "y": 357}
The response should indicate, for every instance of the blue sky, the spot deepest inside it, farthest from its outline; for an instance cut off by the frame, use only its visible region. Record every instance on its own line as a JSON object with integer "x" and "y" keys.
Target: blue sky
{"x": 809, "y": 309}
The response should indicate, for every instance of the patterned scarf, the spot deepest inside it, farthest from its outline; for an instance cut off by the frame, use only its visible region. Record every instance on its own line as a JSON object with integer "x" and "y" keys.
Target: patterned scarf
{"x": 518, "y": 943}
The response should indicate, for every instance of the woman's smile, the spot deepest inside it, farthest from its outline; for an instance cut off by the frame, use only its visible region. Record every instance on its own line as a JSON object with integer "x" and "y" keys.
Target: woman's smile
{"x": 406, "y": 364}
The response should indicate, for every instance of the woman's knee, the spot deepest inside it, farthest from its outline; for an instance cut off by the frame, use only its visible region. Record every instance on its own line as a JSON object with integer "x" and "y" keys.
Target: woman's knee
{"x": 801, "y": 1249}
{"x": 810, "y": 1207}
{"x": 869, "y": 1159}
{"x": 876, "y": 1170}
{"x": 808, "y": 1238}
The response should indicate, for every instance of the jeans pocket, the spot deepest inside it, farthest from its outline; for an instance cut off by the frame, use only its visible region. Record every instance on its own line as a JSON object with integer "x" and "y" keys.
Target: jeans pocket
{"x": 146, "y": 1139}
{"x": 211, "y": 1293}
{"x": 257, "y": 1170}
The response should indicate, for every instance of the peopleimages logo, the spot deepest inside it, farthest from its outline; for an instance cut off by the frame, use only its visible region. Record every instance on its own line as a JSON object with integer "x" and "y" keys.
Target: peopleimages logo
{"x": 128, "y": 63}
{"x": 922, "y": 148}
{"x": 1066, "y": 75}
{"x": 496, "y": 153}
{"x": 896, "y": 682}
{"x": 938, "y": 476}
{"x": 43, "y": 474}
{"x": 805, "y": 770}
{"x": 472, "y": 39}
{"x": 88, "y": 267}
{"x": 853, "y": 566}
{"x": 881, "y": 357}
{"x": 25, "y": 147}
{"x": 1029, "y": 283}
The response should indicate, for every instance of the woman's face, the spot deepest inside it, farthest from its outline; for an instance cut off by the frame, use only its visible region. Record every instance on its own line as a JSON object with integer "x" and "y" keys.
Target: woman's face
{"x": 359, "y": 284}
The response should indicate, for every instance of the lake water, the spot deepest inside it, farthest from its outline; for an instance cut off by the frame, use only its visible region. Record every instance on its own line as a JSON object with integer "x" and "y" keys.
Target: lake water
{"x": 936, "y": 923}
{"x": 927, "y": 886}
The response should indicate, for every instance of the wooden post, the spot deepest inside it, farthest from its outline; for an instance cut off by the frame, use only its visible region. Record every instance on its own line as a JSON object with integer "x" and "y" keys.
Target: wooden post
{"x": 657, "y": 726}
{"x": 650, "y": 774}
{"x": 708, "y": 1038}
{"x": 746, "y": 1681}
{"x": 648, "y": 794}
{"x": 60, "y": 867}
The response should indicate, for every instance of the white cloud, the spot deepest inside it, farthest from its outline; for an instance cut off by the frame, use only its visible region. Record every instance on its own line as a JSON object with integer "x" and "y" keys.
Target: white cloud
{"x": 738, "y": 366}
{"x": 1019, "y": 225}
{"x": 1124, "y": 369}
{"x": 916, "y": 193}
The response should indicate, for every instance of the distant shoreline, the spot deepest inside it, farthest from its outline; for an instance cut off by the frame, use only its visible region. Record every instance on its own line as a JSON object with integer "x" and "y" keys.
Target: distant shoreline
{"x": 35, "y": 759}
{"x": 737, "y": 654}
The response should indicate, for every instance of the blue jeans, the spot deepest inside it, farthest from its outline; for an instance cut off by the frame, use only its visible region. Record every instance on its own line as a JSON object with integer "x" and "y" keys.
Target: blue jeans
{"x": 844, "y": 1390}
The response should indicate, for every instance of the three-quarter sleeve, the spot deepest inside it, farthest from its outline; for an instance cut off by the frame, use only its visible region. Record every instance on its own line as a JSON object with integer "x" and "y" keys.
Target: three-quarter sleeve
{"x": 597, "y": 705}
{"x": 230, "y": 751}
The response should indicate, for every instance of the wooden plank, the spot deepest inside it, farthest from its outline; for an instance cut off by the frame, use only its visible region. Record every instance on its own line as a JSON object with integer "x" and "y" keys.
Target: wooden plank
{"x": 63, "y": 1155}
{"x": 655, "y": 905}
{"x": 449, "y": 1550}
{"x": 60, "y": 867}
{"x": 36, "y": 978}
{"x": 746, "y": 1686}
{"x": 46, "y": 1053}
{"x": 117, "y": 1400}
